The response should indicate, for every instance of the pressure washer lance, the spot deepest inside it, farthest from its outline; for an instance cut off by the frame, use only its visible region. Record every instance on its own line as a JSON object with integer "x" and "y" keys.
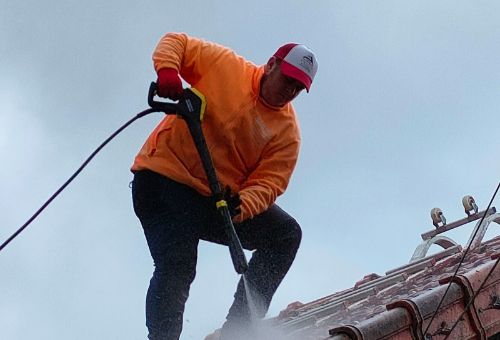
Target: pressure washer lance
{"x": 191, "y": 108}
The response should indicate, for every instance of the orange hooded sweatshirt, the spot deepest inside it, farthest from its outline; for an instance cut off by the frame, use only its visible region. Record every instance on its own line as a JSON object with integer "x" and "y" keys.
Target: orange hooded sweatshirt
{"x": 254, "y": 147}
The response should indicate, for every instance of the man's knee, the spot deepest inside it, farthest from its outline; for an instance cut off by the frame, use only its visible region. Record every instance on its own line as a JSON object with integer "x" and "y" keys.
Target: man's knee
{"x": 176, "y": 271}
{"x": 177, "y": 276}
{"x": 291, "y": 235}
{"x": 295, "y": 235}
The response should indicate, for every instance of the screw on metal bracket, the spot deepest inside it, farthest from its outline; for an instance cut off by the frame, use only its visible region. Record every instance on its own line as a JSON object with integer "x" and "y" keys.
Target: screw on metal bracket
{"x": 494, "y": 304}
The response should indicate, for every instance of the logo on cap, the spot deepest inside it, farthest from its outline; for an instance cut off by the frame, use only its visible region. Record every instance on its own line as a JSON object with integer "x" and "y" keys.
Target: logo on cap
{"x": 307, "y": 63}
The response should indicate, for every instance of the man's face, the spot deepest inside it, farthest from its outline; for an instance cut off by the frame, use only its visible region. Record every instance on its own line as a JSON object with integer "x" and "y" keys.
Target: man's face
{"x": 278, "y": 89}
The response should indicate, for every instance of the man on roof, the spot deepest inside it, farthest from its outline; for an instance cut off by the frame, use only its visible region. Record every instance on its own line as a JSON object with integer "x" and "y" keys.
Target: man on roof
{"x": 253, "y": 136}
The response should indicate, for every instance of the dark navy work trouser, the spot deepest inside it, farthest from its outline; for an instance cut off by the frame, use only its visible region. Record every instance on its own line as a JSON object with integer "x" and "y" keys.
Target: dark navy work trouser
{"x": 174, "y": 218}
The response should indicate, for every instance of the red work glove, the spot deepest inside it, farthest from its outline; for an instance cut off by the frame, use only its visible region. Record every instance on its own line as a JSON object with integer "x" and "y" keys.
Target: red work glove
{"x": 169, "y": 84}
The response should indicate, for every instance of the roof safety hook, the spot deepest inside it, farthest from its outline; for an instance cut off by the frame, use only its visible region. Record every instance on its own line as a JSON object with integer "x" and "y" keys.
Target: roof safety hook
{"x": 437, "y": 217}
{"x": 469, "y": 205}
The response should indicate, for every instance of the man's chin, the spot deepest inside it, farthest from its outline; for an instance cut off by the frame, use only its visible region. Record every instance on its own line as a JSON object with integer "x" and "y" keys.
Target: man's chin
{"x": 281, "y": 101}
{"x": 274, "y": 103}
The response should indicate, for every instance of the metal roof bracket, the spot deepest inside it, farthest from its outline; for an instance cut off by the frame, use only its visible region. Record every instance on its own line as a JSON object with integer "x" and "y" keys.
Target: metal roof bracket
{"x": 423, "y": 248}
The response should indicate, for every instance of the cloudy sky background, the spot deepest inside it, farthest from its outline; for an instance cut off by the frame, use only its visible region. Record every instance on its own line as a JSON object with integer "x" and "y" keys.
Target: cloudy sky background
{"x": 403, "y": 117}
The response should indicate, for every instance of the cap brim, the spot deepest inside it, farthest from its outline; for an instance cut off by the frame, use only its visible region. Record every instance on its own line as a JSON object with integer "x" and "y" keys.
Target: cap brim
{"x": 295, "y": 73}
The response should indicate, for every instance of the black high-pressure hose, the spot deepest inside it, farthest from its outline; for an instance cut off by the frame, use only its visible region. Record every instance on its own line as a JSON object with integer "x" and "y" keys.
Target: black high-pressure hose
{"x": 191, "y": 109}
{"x": 153, "y": 108}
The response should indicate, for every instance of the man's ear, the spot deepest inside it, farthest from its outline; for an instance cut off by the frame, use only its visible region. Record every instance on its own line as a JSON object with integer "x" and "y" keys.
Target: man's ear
{"x": 271, "y": 63}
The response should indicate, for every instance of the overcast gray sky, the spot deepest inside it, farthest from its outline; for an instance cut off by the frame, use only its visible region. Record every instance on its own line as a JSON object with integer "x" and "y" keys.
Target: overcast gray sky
{"x": 402, "y": 117}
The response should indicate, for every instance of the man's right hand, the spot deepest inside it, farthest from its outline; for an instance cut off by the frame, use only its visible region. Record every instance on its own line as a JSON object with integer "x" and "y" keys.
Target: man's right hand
{"x": 169, "y": 84}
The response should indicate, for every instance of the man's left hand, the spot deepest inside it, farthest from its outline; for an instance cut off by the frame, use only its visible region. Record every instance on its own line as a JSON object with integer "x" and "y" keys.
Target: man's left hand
{"x": 233, "y": 202}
